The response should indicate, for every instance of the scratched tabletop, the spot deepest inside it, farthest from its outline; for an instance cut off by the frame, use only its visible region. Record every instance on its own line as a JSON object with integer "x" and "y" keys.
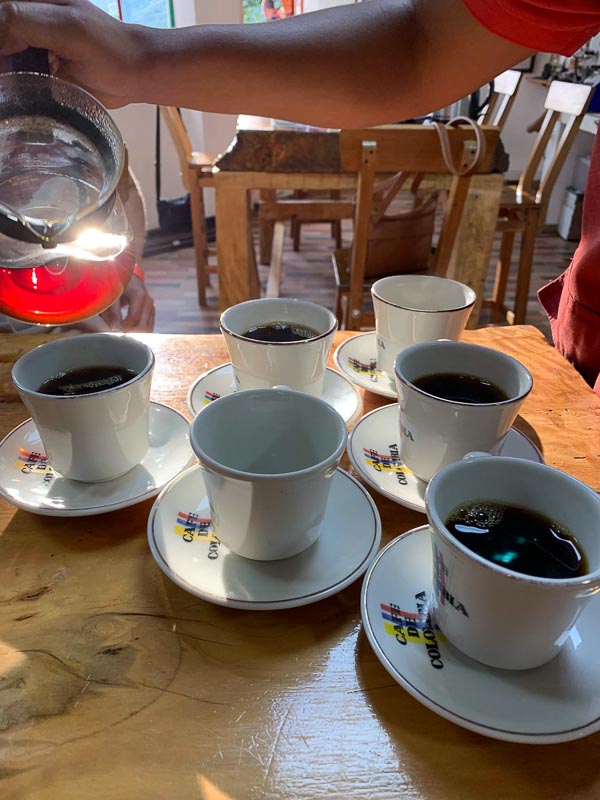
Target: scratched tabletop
{"x": 116, "y": 683}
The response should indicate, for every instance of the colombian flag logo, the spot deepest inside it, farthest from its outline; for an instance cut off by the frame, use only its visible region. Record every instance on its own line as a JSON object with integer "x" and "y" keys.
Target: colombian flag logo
{"x": 193, "y": 528}
{"x": 210, "y": 396}
{"x": 383, "y": 462}
{"x": 364, "y": 369}
{"x": 28, "y": 462}
{"x": 408, "y": 624}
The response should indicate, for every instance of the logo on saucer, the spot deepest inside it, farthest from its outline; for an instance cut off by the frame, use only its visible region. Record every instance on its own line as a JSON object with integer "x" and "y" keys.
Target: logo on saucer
{"x": 414, "y": 627}
{"x": 29, "y": 463}
{"x": 210, "y": 396}
{"x": 387, "y": 462}
{"x": 194, "y": 528}
{"x": 365, "y": 369}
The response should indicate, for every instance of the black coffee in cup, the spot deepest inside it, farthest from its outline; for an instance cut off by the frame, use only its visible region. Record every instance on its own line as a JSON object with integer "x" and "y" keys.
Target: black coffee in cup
{"x": 518, "y": 539}
{"x": 86, "y": 380}
{"x": 280, "y": 332}
{"x": 460, "y": 388}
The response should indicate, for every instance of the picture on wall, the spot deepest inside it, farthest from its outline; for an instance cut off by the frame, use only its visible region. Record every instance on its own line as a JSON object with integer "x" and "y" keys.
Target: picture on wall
{"x": 269, "y": 10}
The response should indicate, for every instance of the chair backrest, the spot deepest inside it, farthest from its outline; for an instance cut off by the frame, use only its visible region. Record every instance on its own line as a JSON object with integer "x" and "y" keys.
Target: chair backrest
{"x": 181, "y": 141}
{"x": 413, "y": 149}
{"x": 503, "y": 96}
{"x": 566, "y": 103}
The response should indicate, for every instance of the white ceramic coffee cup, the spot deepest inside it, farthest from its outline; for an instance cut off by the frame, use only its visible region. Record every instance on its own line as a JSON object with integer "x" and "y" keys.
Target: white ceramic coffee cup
{"x": 435, "y": 432}
{"x": 268, "y": 457}
{"x": 92, "y": 437}
{"x": 417, "y": 308}
{"x": 300, "y": 365}
{"x": 493, "y": 614}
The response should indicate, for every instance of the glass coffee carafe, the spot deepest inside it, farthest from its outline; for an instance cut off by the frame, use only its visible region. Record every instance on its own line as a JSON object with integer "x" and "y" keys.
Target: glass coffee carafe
{"x": 65, "y": 243}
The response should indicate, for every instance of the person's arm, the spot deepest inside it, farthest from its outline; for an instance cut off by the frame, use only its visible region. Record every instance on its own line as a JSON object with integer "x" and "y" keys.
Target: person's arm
{"x": 134, "y": 311}
{"x": 349, "y": 66}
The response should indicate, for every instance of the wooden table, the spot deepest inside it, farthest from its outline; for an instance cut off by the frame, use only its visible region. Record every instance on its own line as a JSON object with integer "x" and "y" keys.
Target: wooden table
{"x": 115, "y": 683}
{"x": 263, "y": 156}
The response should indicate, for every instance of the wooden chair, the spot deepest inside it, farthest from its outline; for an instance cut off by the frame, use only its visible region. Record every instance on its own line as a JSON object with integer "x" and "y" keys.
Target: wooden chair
{"x": 196, "y": 174}
{"x": 503, "y": 96}
{"x": 274, "y": 211}
{"x": 336, "y": 224}
{"x": 523, "y": 207}
{"x": 408, "y": 148}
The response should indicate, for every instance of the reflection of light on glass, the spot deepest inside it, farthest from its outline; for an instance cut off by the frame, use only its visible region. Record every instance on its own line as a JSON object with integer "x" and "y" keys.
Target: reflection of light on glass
{"x": 54, "y": 269}
{"x": 96, "y": 245}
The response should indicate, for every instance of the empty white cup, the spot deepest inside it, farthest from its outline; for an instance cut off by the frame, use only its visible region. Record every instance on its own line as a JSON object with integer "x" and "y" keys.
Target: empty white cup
{"x": 417, "y": 308}
{"x": 268, "y": 457}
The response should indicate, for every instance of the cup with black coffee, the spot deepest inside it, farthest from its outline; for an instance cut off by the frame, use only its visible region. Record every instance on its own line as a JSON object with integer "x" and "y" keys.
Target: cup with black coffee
{"x": 279, "y": 342}
{"x": 89, "y": 398}
{"x": 516, "y": 557}
{"x": 455, "y": 398}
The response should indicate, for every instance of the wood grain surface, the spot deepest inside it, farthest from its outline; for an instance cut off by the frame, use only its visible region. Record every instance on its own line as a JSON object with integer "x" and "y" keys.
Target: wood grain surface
{"x": 115, "y": 683}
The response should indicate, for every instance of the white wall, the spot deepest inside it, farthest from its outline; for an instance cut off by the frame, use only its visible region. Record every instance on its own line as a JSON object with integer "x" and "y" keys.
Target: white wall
{"x": 218, "y": 129}
{"x": 528, "y": 106}
{"x": 137, "y": 124}
{"x": 315, "y": 5}
{"x": 208, "y": 132}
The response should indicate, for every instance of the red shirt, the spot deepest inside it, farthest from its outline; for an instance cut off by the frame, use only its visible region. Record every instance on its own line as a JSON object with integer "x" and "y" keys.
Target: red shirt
{"x": 572, "y": 301}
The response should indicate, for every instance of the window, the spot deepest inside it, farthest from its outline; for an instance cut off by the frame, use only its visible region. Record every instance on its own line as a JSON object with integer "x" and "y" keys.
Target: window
{"x": 157, "y": 13}
{"x": 252, "y": 11}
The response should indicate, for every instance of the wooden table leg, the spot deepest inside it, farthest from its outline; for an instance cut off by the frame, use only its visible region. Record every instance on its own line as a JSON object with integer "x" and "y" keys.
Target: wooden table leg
{"x": 235, "y": 256}
{"x": 266, "y": 226}
{"x": 476, "y": 236}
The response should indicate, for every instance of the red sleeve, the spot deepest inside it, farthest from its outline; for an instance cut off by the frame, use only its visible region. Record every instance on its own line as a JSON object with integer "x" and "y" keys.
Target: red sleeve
{"x": 549, "y": 26}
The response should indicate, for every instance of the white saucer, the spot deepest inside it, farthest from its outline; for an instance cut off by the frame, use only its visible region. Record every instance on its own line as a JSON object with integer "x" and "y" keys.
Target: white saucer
{"x": 373, "y": 452}
{"x": 557, "y": 702}
{"x": 27, "y": 481}
{"x": 356, "y": 358}
{"x": 338, "y": 391}
{"x": 182, "y": 542}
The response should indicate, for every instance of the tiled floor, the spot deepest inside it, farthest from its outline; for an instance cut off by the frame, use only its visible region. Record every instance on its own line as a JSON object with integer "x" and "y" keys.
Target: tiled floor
{"x": 171, "y": 278}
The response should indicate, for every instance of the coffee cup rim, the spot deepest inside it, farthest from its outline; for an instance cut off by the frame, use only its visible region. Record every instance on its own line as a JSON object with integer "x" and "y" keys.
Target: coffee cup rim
{"x": 291, "y": 301}
{"x": 232, "y": 472}
{"x": 509, "y": 400}
{"x": 461, "y": 307}
{"x": 89, "y": 395}
{"x": 438, "y": 527}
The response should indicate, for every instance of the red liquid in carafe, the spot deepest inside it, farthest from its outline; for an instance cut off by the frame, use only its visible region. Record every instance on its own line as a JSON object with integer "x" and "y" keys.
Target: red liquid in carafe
{"x": 69, "y": 291}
